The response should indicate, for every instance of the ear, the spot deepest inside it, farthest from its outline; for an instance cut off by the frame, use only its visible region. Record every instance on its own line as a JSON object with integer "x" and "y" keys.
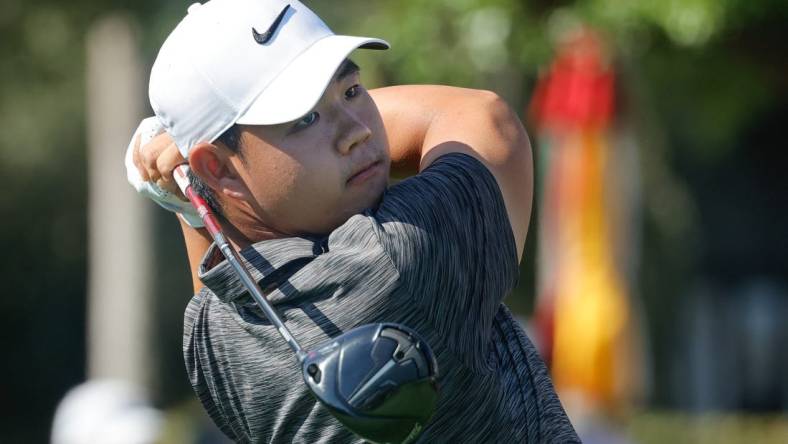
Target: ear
{"x": 211, "y": 163}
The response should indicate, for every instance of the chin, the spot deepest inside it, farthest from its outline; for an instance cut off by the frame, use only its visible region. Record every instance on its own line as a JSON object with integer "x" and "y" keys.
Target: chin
{"x": 370, "y": 199}
{"x": 375, "y": 194}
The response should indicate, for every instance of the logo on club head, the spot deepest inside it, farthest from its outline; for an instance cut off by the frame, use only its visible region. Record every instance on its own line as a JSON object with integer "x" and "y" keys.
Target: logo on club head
{"x": 265, "y": 37}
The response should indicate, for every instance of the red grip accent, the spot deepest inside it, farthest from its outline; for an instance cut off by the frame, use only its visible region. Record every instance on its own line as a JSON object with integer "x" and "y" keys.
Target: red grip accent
{"x": 207, "y": 216}
{"x": 211, "y": 224}
{"x": 195, "y": 199}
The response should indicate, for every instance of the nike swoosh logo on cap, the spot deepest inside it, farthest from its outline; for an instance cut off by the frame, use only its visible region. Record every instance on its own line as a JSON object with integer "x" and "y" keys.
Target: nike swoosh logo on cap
{"x": 266, "y": 36}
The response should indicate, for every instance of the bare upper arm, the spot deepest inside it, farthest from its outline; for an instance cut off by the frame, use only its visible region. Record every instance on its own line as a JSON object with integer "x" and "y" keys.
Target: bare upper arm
{"x": 442, "y": 120}
{"x": 197, "y": 243}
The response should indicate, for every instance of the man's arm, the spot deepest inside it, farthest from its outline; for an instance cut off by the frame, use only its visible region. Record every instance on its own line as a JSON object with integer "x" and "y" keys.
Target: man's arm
{"x": 197, "y": 243}
{"x": 156, "y": 162}
{"x": 424, "y": 122}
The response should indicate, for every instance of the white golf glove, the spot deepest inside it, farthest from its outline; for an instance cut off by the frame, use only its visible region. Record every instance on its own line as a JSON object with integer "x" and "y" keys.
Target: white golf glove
{"x": 148, "y": 129}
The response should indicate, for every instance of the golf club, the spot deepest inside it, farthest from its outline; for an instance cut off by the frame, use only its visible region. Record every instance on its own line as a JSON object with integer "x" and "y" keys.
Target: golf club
{"x": 378, "y": 380}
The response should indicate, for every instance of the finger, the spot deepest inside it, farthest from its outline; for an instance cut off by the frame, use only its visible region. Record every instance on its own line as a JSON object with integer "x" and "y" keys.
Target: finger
{"x": 171, "y": 187}
{"x": 167, "y": 161}
{"x": 152, "y": 152}
{"x": 153, "y": 174}
{"x": 137, "y": 159}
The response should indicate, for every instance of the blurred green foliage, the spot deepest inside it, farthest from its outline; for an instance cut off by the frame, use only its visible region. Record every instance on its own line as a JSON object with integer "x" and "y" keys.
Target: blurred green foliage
{"x": 696, "y": 75}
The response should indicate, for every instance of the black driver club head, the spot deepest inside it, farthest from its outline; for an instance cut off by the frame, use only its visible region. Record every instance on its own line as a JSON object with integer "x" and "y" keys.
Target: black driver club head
{"x": 379, "y": 380}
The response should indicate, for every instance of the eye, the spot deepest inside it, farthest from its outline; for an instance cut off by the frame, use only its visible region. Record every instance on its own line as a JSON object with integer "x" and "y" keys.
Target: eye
{"x": 353, "y": 91}
{"x": 307, "y": 120}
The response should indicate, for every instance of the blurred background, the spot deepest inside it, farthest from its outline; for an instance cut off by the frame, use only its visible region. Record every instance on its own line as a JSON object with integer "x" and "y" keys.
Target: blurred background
{"x": 655, "y": 275}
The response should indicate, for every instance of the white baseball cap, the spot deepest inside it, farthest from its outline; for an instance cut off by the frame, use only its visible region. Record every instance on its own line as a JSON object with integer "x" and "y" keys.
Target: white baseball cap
{"x": 254, "y": 62}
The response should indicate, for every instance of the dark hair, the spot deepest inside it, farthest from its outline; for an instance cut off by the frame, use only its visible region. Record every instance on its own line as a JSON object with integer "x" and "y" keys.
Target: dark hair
{"x": 231, "y": 138}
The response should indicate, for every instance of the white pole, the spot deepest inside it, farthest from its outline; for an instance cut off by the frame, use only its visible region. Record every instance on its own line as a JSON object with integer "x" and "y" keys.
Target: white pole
{"x": 119, "y": 300}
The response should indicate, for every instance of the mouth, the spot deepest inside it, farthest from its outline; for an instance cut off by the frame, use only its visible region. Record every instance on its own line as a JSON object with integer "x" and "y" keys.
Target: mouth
{"x": 365, "y": 173}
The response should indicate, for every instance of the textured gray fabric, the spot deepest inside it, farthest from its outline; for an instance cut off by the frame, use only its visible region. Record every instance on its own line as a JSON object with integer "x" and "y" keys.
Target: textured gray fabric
{"x": 437, "y": 255}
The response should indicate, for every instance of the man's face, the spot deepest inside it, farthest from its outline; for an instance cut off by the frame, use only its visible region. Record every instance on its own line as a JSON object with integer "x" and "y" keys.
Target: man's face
{"x": 311, "y": 175}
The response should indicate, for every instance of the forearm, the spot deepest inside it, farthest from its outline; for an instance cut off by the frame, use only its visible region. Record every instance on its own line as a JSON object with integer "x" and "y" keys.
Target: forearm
{"x": 419, "y": 118}
{"x": 424, "y": 122}
{"x": 197, "y": 243}
{"x": 403, "y": 118}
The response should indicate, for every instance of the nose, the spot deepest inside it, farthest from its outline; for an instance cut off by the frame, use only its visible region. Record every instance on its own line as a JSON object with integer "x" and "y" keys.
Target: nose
{"x": 352, "y": 132}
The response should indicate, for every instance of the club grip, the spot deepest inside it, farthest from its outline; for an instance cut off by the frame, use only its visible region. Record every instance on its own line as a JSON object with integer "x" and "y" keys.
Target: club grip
{"x": 181, "y": 175}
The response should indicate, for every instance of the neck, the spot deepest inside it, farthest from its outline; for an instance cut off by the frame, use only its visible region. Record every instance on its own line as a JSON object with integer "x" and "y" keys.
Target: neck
{"x": 246, "y": 229}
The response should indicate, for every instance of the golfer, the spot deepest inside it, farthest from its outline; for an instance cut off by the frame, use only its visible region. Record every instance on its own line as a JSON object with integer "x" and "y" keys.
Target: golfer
{"x": 295, "y": 155}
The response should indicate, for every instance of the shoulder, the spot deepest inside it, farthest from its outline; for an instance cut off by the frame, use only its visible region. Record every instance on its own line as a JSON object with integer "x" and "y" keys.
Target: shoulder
{"x": 193, "y": 308}
{"x": 448, "y": 222}
{"x": 454, "y": 194}
{"x": 447, "y": 181}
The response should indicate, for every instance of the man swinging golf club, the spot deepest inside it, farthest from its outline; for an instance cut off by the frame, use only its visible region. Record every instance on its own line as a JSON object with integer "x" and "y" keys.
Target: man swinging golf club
{"x": 294, "y": 155}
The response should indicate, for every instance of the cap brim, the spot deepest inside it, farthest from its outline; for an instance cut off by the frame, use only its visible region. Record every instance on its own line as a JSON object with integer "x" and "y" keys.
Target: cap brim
{"x": 298, "y": 88}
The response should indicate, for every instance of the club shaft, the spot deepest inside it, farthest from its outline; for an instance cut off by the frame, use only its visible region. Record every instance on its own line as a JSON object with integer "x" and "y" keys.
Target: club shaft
{"x": 181, "y": 175}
